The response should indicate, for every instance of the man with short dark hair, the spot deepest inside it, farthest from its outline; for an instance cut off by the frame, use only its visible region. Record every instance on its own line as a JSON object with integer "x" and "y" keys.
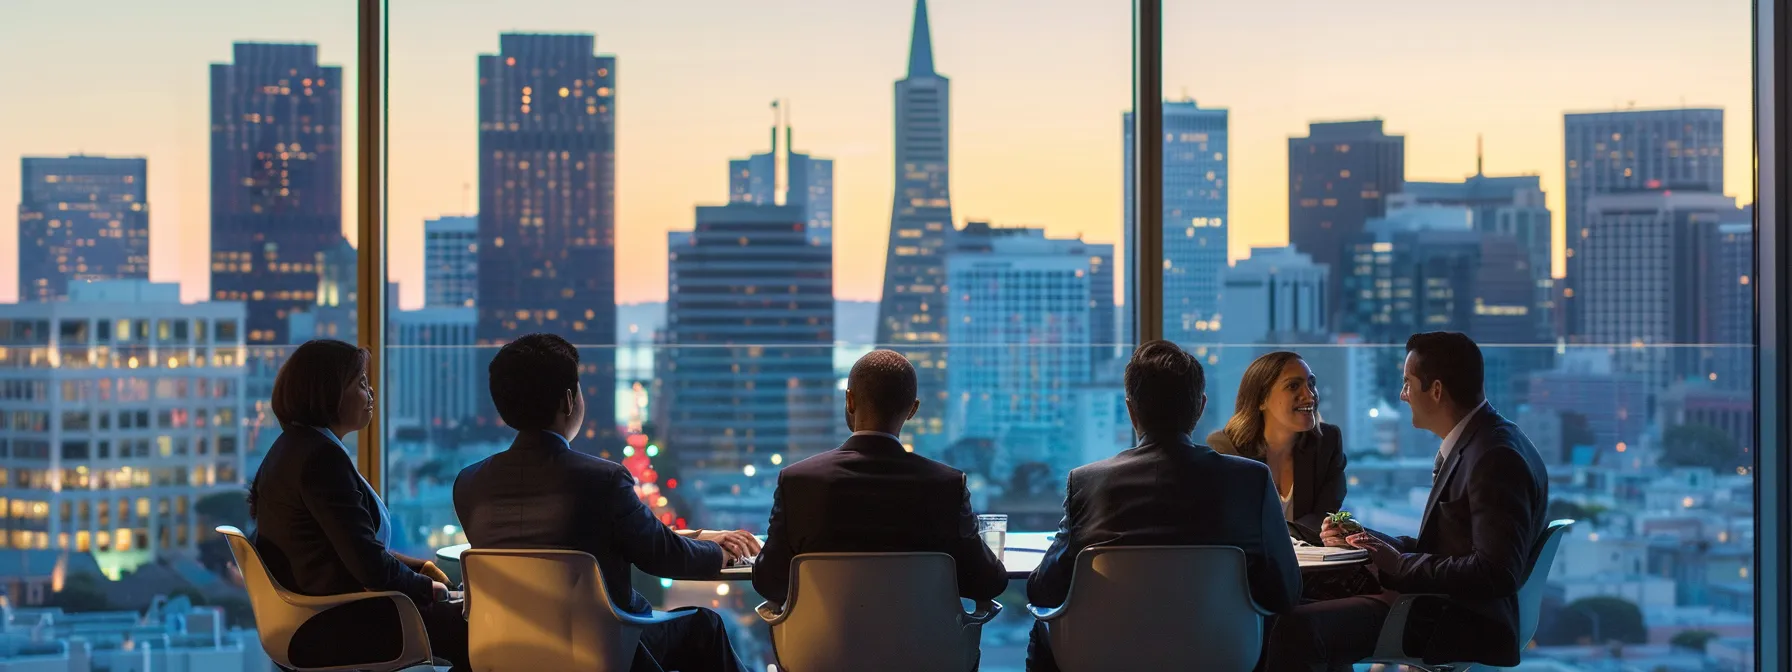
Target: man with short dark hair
{"x": 1488, "y": 497}
{"x": 1167, "y": 490}
{"x": 872, "y": 495}
{"x": 540, "y": 493}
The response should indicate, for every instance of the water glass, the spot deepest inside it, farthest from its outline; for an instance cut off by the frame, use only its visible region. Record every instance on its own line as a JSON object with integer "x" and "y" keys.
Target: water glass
{"x": 993, "y": 527}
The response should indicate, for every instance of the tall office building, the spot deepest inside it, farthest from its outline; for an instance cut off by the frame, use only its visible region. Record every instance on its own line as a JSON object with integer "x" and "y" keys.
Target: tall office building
{"x": 1511, "y": 206}
{"x": 1616, "y": 152}
{"x": 276, "y": 182}
{"x": 920, "y": 227}
{"x": 808, "y": 182}
{"x": 1731, "y": 301}
{"x": 81, "y": 218}
{"x": 1022, "y": 321}
{"x": 332, "y": 314}
{"x": 1339, "y": 177}
{"x": 124, "y": 409}
{"x": 1426, "y": 268}
{"x": 547, "y": 204}
{"x": 433, "y": 369}
{"x": 1276, "y": 290}
{"x": 450, "y": 262}
{"x": 749, "y": 343}
{"x": 1195, "y": 219}
{"x": 1645, "y": 278}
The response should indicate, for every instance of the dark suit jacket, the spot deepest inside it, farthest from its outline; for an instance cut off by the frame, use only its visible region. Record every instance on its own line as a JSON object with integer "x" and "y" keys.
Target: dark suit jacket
{"x": 1475, "y": 540}
{"x": 315, "y": 521}
{"x": 542, "y": 494}
{"x": 1319, "y": 483}
{"x": 1171, "y": 491}
{"x": 871, "y": 496}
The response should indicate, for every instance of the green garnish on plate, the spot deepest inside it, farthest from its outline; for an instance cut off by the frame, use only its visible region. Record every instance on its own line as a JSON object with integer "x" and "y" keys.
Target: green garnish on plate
{"x": 1345, "y": 522}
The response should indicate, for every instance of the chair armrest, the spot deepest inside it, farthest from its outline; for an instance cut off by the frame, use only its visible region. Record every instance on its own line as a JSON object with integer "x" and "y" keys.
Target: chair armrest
{"x": 1047, "y": 613}
{"x": 1259, "y": 608}
{"x": 1391, "y": 645}
{"x": 770, "y": 613}
{"x": 986, "y": 611}
{"x": 652, "y": 618}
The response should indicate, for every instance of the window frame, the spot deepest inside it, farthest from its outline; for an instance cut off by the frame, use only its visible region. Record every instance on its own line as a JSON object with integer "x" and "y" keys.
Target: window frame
{"x": 1773, "y": 231}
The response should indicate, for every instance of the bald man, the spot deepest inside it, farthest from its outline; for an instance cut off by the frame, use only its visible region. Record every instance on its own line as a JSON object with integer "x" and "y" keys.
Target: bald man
{"x": 871, "y": 495}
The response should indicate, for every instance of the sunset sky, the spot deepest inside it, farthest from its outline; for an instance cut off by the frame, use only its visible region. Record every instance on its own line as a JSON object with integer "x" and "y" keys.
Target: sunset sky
{"x": 1038, "y": 86}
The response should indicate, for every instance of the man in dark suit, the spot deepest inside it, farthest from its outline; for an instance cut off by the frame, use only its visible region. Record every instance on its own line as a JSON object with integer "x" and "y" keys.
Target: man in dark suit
{"x": 1488, "y": 497}
{"x": 1167, "y": 490}
{"x": 873, "y": 495}
{"x": 542, "y": 494}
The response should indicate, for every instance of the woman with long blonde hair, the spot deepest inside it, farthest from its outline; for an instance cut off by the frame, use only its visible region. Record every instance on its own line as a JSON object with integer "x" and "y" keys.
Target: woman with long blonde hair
{"x": 1276, "y": 421}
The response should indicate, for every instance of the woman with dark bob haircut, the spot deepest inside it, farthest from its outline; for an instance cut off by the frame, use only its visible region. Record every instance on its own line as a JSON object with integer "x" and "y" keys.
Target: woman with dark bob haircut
{"x": 320, "y": 528}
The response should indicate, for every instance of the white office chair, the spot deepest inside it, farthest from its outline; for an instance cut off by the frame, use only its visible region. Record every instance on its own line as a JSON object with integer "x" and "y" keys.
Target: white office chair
{"x": 536, "y": 610}
{"x": 875, "y": 611}
{"x": 1390, "y": 649}
{"x": 279, "y": 613}
{"x": 1156, "y": 608}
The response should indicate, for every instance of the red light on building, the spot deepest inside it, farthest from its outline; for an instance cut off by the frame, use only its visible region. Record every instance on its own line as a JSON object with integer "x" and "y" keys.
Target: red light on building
{"x": 671, "y": 483}
{"x": 1653, "y": 184}
{"x": 637, "y": 441}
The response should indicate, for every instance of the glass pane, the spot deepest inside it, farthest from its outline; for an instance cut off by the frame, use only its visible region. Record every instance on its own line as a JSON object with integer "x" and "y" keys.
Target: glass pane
{"x": 1580, "y": 210}
{"x": 183, "y": 220}
{"x": 572, "y": 181}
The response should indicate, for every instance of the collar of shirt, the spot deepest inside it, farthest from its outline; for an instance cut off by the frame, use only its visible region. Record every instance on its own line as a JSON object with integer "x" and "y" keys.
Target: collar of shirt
{"x": 331, "y": 436}
{"x": 886, "y": 435}
{"x": 563, "y": 440}
{"x": 1456, "y": 433}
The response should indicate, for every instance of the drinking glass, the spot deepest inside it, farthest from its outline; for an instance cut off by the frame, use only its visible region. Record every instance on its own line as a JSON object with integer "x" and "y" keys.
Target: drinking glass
{"x": 993, "y": 527}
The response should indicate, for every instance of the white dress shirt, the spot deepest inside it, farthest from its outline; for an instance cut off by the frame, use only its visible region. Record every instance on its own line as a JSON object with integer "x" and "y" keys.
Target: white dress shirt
{"x": 1449, "y": 445}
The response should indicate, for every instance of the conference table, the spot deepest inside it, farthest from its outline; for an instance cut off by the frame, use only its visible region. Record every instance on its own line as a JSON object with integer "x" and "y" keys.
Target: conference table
{"x": 1022, "y": 552}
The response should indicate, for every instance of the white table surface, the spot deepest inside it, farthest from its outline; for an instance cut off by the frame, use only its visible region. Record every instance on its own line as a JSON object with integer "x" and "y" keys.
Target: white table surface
{"x": 1024, "y": 551}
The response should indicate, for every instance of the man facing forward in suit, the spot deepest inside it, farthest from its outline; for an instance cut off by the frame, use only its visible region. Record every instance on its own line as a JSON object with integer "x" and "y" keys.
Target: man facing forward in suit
{"x": 1488, "y": 498}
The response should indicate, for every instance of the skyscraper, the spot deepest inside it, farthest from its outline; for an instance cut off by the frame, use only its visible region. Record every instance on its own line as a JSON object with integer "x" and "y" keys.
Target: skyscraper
{"x": 1339, "y": 177}
{"x": 81, "y": 218}
{"x": 1645, "y": 278}
{"x": 1732, "y": 302}
{"x": 131, "y": 411}
{"x": 1633, "y": 150}
{"x": 547, "y": 204}
{"x": 1276, "y": 290}
{"x": 920, "y": 226}
{"x": 808, "y": 183}
{"x": 1510, "y": 206}
{"x": 1022, "y": 315}
{"x": 1195, "y": 219}
{"x": 450, "y": 262}
{"x": 276, "y": 187}
{"x": 749, "y": 342}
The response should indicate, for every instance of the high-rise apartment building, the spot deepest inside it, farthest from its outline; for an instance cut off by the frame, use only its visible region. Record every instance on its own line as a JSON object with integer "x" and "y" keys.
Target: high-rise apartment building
{"x": 276, "y": 180}
{"x": 1339, "y": 177}
{"x": 450, "y": 262}
{"x": 1634, "y": 150}
{"x": 747, "y": 352}
{"x": 81, "y": 218}
{"x": 1195, "y": 219}
{"x": 547, "y": 205}
{"x": 122, "y": 408}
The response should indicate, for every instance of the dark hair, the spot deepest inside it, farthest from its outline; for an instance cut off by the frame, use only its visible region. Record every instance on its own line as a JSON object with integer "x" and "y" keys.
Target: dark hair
{"x": 1245, "y": 428}
{"x": 308, "y": 390}
{"x": 1165, "y": 386}
{"x": 1452, "y": 358}
{"x": 530, "y": 377}
{"x": 884, "y": 382}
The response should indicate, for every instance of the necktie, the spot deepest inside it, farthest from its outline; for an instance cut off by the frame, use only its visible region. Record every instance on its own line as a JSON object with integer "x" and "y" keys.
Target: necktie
{"x": 1437, "y": 466}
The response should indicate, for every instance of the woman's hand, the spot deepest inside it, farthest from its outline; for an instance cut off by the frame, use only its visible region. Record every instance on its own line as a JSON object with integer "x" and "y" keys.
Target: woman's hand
{"x": 440, "y": 591}
{"x": 434, "y": 573}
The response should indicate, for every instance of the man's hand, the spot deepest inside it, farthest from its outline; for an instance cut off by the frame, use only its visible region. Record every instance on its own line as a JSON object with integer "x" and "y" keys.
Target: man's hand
{"x": 1333, "y": 536}
{"x": 736, "y": 544}
{"x": 1381, "y": 555}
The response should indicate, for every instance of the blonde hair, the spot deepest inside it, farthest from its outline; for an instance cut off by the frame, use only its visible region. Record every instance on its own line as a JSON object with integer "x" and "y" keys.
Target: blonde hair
{"x": 1245, "y": 427}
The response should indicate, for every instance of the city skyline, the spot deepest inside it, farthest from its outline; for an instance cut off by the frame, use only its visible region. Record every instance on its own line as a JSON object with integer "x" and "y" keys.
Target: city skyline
{"x": 432, "y": 88}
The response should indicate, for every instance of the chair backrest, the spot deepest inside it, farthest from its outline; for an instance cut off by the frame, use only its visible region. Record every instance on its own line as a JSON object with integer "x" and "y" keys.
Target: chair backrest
{"x": 275, "y": 618}
{"x": 532, "y": 610}
{"x": 1158, "y": 608}
{"x": 873, "y": 611}
{"x": 1530, "y": 594}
